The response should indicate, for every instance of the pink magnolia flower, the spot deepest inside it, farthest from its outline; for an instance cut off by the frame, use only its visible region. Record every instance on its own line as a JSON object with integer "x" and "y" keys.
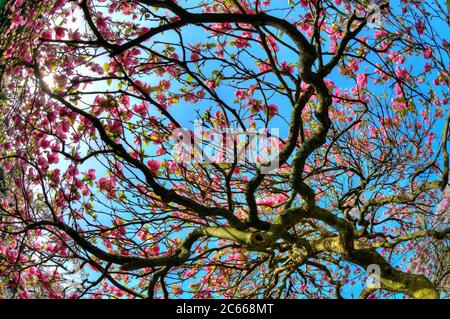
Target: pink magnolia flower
{"x": 47, "y": 35}
{"x": 273, "y": 110}
{"x": 73, "y": 295}
{"x": 353, "y": 65}
{"x": 286, "y": 67}
{"x": 58, "y": 5}
{"x": 141, "y": 109}
{"x": 125, "y": 100}
{"x": 428, "y": 53}
{"x": 24, "y": 294}
{"x": 401, "y": 73}
{"x": 154, "y": 251}
{"x": 52, "y": 158}
{"x": 72, "y": 170}
{"x": 42, "y": 162}
{"x": 420, "y": 26}
{"x": 102, "y": 23}
{"x": 60, "y": 33}
{"x": 106, "y": 184}
{"x": 53, "y": 294}
{"x": 76, "y": 36}
{"x": 45, "y": 143}
{"x": 91, "y": 174}
{"x": 361, "y": 79}
{"x": 210, "y": 84}
{"x": 240, "y": 95}
{"x": 263, "y": 66}
{"x": 17, "y": 20}
{"x": 18, "y": 4}
{"x": 154, "y": 165}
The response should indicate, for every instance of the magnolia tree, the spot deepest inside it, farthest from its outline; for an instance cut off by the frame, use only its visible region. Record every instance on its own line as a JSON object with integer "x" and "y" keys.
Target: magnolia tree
{"x": 225, "y": 148}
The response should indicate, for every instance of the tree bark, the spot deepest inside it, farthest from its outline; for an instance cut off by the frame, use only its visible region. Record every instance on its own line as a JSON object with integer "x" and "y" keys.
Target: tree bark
{"x": 415, "y": 286}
